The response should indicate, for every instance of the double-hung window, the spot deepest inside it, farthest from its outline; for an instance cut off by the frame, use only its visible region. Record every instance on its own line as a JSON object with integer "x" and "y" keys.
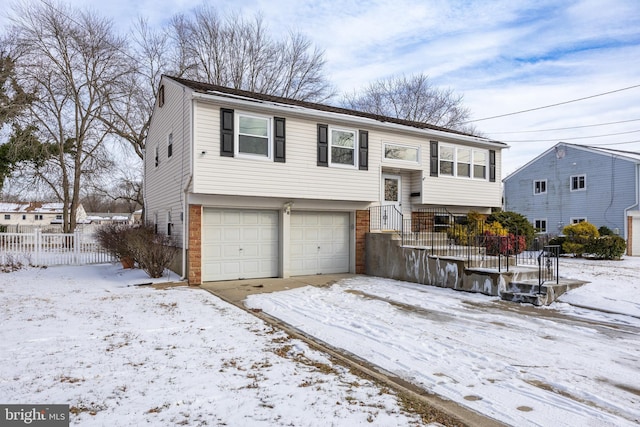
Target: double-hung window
{"x": 462, "y": 162}
{"x": 540, "y": 186}
{"x": 578, "y": 182}
{"x": 170, "y": 145}
{"x": 479, "y": 164}
{"x": 446, "y": 160}
{"x": 342, "y": 147}
{"x": 254, "y": 136}
{"x": 540, "y": 225}
{"x": 7, "y": 216}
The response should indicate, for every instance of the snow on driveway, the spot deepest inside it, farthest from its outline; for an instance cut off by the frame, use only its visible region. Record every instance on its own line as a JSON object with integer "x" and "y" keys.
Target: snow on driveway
{"x": 526, "y": 366}
{"x": 123, "y": 355}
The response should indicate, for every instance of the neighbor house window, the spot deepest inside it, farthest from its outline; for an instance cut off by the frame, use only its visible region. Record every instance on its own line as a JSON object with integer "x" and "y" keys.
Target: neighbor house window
{"x": 7, "y": 217}
{"x": 578, "y": 182}
{"x": 401, "y": 152}
{"x": 24, "y": 217}
{"x": 342, "y": 143}
{"x": 170, "y": 145}
{"x": 540, "y": 187}
{"x": 540, "y": 225}
{"x": 58, "y": 216}
{"x": 578, "y": 220}
{"x": 157, "y": 156}
{"x": 254, "y": 136}
{"x": 462, "y": 162}
{"x": 38, "y": 217}
{"x": 169, "y": 224}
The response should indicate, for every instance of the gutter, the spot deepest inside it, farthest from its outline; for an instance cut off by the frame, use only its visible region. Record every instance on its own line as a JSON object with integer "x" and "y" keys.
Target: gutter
{"x": 308, "y": 112}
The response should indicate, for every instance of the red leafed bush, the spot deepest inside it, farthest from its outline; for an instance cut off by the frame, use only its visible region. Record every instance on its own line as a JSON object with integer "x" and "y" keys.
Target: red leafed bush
{"x": 504, "y": 245}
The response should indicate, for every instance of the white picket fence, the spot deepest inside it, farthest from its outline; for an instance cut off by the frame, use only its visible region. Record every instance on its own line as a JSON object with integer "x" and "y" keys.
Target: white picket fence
{"x": 48, "y": 249}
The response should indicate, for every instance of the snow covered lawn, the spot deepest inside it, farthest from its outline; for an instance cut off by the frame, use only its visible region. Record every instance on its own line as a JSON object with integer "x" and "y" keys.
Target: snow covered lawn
{"x": 124, "y": 355}
{"x": 575, "y": 363}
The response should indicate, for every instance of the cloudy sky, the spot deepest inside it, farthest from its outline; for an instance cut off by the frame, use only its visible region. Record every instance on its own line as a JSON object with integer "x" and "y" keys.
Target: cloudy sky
{"x": 504, "y": 56}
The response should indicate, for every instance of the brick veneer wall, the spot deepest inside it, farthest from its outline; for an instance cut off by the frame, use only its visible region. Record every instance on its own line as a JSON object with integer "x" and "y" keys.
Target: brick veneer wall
{"x": 630, "y": 249}
{"x": 362, "y": 228}
{"x": 194, "y": 265}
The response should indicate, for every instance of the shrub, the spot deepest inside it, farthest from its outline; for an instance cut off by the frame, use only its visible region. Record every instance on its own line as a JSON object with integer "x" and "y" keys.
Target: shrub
{"x": 606, "y": 247}
{"x": 153, "y": 252}
{"x": 515, "y": 223}
{"x": 505, "y": 245}
{"x": 605, "y": 231}
{"x": 112, "y": 237}
{"x": 577, "y": 236}
{"x": 3, "y": 228}
{"x": 558, "y": 241}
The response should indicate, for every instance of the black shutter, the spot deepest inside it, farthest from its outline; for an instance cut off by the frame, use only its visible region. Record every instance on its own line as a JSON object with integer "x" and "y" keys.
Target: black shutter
{"x": 279, "y": 139}
{"x": 434, "y": 158}
{"x": 226, "y": 132}
{"x": 492, "y": 165}
{"x": 323, "y": 145}
{"x": 363, "y": 155}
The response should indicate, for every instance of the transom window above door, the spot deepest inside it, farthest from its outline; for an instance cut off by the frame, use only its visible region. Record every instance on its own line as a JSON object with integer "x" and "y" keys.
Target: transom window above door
{"x": 404, "y": 153}
{"x": 254, "y": 135}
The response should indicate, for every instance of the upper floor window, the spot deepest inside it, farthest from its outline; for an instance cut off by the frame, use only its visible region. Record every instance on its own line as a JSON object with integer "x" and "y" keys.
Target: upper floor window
{"x": 578, "y": 182}
{"x": 342, "y": 144}
{"x": 401, "y": 152}
{"x": 254, "y": 136}
{"x": 7, "y": 216}
{"x": 540, "y": 187}
{"x": 170, "y": 145}
{"x": 479, "y": 164}
{"x": 462, "y": 162}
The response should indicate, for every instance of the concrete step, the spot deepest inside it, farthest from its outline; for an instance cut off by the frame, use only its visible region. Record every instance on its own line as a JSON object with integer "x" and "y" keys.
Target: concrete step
{"x": 527, "y": 291}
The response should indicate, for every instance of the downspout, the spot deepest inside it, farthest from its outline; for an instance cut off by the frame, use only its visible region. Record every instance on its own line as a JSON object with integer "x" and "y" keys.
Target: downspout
{"x": 185, "y": 215}
{"x": 636, "y": 205}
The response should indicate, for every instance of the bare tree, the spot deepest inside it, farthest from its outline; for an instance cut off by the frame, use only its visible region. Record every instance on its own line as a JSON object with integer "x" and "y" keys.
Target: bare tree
{"x": 412, "y": 98}
{"x": 239, "y": 53}
{"x": 70, "y": 60}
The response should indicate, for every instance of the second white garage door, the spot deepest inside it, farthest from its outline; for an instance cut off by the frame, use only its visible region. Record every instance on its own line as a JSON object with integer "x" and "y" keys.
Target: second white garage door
{"x": 319, "y": 243}
{"x": 239, "y": 244}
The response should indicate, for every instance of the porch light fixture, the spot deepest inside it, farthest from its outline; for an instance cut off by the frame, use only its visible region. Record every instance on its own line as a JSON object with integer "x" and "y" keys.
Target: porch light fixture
{"x": 287, "y": 207}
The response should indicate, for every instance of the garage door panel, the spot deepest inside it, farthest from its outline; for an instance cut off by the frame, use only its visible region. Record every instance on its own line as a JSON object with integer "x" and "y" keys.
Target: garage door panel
{"x": 239, "y": 244}
{"x": 319, "y": 243}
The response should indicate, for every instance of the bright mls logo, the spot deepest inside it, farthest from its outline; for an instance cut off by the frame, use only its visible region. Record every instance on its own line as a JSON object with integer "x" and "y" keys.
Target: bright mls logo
{"x": 34, "y": 415}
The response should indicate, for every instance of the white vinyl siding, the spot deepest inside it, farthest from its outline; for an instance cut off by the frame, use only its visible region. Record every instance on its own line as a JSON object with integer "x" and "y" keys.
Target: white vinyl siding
{"x": 442, "y": 190}
{"x": 165, "y": 184}
{"x": 297, "y": 178}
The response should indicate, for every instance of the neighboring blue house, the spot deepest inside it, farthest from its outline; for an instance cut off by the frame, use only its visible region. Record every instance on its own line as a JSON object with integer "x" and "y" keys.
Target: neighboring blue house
{"x": 571, "y": 183}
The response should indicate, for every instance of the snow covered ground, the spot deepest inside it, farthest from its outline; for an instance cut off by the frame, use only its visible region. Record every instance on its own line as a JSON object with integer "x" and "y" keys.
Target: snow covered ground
{"x": 124, "y": 355}
{"x": 575, "y": 363}
{"x": 131, "y": 355}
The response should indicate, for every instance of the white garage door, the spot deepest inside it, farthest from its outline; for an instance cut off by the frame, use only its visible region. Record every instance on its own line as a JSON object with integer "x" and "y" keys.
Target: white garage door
{"x": 319, "y": 243}
{"x": 635, "y": 237}
{"x": 239, "y": 244}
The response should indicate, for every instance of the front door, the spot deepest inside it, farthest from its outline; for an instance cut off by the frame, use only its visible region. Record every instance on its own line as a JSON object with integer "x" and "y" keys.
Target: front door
{"x": 391, "y": 201}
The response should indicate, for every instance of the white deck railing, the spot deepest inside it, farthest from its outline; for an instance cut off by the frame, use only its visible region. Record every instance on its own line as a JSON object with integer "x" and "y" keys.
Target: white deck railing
{"x": 48, "y": 249}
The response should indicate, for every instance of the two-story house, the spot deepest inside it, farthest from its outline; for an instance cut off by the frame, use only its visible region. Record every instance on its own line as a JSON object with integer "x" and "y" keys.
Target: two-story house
{"x": 252, "y": 185}
{"x": 571, "y": 183}
{"x": 16, "y": 216}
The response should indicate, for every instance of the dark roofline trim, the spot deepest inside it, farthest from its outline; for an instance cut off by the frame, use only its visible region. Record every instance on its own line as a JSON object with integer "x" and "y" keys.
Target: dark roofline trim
{"x": 207, "y": 88}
